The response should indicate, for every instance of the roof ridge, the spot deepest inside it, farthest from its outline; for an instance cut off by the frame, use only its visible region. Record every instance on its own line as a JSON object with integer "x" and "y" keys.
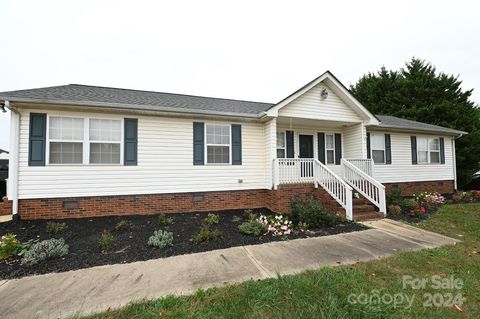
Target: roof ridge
{"x": 170, "y": 93}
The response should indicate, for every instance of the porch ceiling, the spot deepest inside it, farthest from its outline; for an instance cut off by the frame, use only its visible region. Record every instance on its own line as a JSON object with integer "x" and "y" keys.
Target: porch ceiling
{"x": 295, "y": 121}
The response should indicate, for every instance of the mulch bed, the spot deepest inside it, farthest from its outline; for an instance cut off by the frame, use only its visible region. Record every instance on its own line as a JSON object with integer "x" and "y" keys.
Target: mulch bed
{"x": 130, "y": 245}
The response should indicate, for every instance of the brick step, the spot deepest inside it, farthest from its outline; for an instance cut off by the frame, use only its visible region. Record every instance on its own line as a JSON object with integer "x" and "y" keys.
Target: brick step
{"x": 363, "y": 208}
{"x": 360, "y": 201}
{"x": 368, "y": 215}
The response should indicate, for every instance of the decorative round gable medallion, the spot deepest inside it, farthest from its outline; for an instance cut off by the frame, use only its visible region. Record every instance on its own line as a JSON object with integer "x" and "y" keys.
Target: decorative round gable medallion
{"x": 323, "y": 93}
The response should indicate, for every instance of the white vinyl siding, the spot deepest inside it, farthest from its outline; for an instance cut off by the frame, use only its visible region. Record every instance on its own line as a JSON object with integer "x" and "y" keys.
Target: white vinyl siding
{"x": 354, "y": 142}
{"x": 311, "y": 106}
{"x": 165, "y": 153}
{"x": 402, "y": 169}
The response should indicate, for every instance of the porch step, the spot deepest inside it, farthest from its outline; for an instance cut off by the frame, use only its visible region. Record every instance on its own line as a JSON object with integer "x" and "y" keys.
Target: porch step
{"x": 369, "y": 215}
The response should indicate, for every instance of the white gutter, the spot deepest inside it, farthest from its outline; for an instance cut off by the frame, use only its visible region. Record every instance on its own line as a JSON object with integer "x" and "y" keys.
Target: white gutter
{"x": 13, "y": 166}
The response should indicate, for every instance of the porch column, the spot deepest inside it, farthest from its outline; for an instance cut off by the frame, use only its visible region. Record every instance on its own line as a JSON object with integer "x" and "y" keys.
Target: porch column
{"x": 270, "y": 130}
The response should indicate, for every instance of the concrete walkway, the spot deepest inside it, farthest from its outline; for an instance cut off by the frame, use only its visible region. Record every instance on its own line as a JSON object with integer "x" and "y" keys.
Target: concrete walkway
{"x": 99, "y": 288}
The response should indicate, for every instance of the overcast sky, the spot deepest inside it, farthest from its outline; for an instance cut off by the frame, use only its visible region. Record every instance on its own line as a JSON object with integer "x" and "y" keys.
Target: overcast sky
{"x": 252, "y": 50}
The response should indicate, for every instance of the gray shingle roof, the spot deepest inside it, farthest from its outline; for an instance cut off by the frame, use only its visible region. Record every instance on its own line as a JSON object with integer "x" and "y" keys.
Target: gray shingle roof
{"x": 388, "y": 121}
{"x": 135, "y": 99}
{"x": 157, "y": 101}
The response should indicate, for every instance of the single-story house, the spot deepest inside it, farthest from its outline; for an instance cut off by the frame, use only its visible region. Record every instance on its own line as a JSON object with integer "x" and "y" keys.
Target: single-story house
{"x": 82, "y": 151}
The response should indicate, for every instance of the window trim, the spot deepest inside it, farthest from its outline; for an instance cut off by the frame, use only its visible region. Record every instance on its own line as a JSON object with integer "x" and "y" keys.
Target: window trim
{"x": 384, "y": 148}
{"x": 330, "y": 149}
{"x": 284, "y": 142}
{"x": 86, "y": 139}
{"x": 205, "y": 145}
{"x": 429, "y": 151}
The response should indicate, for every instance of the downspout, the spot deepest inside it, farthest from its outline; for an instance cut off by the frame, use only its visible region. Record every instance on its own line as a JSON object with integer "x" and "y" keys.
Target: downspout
{"x": 14, "y": 150}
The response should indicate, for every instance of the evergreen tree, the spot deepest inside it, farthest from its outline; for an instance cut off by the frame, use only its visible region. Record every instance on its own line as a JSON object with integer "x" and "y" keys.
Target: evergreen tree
{"x": 418, "y": 92}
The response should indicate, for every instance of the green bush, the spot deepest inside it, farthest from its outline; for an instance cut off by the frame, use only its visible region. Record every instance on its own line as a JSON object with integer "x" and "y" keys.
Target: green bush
{"x": 9, "y": 246}
{"x": 248, "y": 214}
{"x": 312, "y": 213}
{"x": 106, "y": 240}
{"x": 161, "y": 239}
{"x": 395, "y": 197}
{"x": 408, "y": 204}
{"x": 212, "y": 219}
{"x": 252, "y": 227}
{"x": 55, "y": 228}
{"x": 46, "y": 249}
{"x": 163, "y": 220}
{"x": 394, "y": 210}
{"x": 123, "y": 225}
{"x": 206, "y": 234}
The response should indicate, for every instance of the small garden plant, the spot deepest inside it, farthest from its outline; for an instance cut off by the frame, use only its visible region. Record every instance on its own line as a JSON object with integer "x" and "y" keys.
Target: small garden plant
{"x": 123, "y": 225}
{"x": 161, "y": 239}
{"x": 420, "y": 206}
{"x": 466, "y": 197}
{"x": 312, "y": 213}
{"x": 252, "y": 228}
{"x": 209, "y": 231}
{"x": 46, "y": 249}
{"x": 248, "y": 214}
{"x": 163, "y": 220}
{"x": 9, "y": 246}
{"x": 277, "y": 225}
{"x": 56, "y": 227}
{"x": 106, "y": 241}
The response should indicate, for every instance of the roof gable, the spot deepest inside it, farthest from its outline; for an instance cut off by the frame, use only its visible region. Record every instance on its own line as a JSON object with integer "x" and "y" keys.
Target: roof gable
{"x": 339, "y": 92}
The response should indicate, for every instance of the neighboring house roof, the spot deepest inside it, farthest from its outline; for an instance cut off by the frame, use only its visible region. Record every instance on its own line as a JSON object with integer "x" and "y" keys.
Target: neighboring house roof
{"x": 388, "y": 121}
{"x": 77, "y": 94}
{"x": 86, "y": 95}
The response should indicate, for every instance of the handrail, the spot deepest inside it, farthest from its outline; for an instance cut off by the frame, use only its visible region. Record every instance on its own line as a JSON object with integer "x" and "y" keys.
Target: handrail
{"x": 364, "y": 164}
{"x": 366, "y": 185}
{"x": 335, "y": 186}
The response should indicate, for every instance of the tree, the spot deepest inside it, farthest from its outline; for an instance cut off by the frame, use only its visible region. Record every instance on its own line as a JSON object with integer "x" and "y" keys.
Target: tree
{"x": 418, "y": 92}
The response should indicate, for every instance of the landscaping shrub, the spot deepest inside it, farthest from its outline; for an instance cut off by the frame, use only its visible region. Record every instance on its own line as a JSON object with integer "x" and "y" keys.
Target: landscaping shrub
{"x": 9, "y": 246}
{"x": 303, "y": 226}
{"x": 408, "y": 205}
{"x": 106, "y": 240}
{"x": 277, "y": 225}
{"x": 248, "y": 214}
{"x": 395, "y": 197}
{"x": 206, "y": 234}
{"x": 252, "y": 227}
{"x": 163, "y": 220}
{"x": 161, "y": 239}
{"x": 123, "y": 225}
{"x": 431, "y": 201}
{"x": 466, "y": 197}
{"x": 46, "y": 249}
{"x": 212, "y": 220}
{"x": 55, "y": 228}
{"x": 394, "y": 210}
{"x": 312, "y": 213}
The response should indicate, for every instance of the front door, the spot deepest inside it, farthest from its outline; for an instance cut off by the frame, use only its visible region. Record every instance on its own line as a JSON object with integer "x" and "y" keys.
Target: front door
{"x": 305, "y": 143}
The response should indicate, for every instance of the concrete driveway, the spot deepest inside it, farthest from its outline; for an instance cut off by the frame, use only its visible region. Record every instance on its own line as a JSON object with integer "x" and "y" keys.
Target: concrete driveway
{"x": 85, "y": 291}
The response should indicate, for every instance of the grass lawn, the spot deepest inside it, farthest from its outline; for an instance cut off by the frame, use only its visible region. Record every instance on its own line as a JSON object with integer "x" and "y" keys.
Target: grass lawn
{"x": 325, "y": 293}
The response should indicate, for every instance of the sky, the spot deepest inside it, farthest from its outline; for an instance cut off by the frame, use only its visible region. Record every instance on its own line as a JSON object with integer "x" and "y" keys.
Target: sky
{"x": 249, "y": 50}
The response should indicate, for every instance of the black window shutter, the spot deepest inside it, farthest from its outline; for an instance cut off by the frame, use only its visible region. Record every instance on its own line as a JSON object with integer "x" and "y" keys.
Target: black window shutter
{"x": 290, "y": 145}
{"x": 388, "y": 149}
{"x": 338, "y": 148}
{"x": 321, "y": 147}
{"x": 236, "y": 144}
{"x": 442, "y": 150}
{"x": 198, "y": 143}
{"x": 130, "y": 156}
{"x": 369, "y": 153}
{"x": 37, "y": 139}
{"x": 414, "y": 149}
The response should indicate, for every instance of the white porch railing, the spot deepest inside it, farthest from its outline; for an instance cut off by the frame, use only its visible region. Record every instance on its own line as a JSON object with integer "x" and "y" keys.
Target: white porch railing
{"x": 366, "y": 165}
{"x": 303, "y": 170}
{"x": 335, "y": 186}
{"x": 366, "y": 185}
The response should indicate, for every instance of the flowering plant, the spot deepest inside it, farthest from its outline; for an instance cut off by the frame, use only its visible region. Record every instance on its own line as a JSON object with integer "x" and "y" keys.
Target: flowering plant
{"x": 277, "y": 225}
{"x": 419, "y": 212}
{"x": 429, "y": 200}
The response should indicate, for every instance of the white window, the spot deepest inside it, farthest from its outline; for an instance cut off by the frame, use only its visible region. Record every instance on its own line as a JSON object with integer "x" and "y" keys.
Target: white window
{"x": 428, "y": 150}
{"x": 377, "y": 144}
{"x": 281, "y": 145}
{"x": 218, "y": 144}
{"x": 66, "y": 140}
{"x": 330, "y": 148}
{"x": 105, "y": 141}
